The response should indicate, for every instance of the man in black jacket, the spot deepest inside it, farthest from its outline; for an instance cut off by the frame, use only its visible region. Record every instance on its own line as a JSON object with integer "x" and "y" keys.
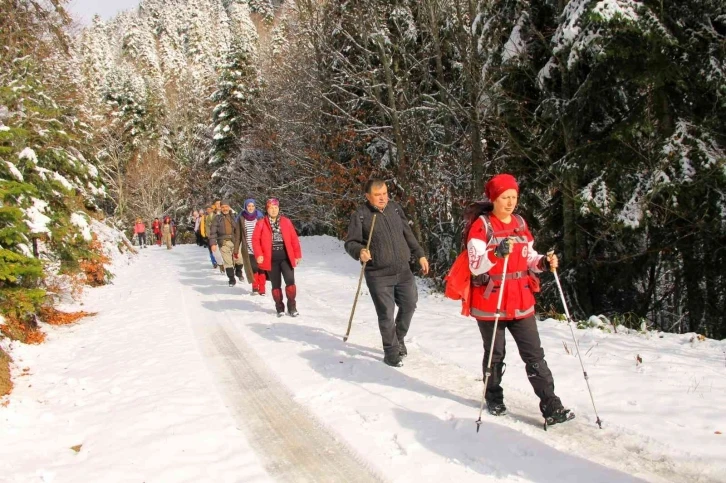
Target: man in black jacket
{"x": 388, "y": 274}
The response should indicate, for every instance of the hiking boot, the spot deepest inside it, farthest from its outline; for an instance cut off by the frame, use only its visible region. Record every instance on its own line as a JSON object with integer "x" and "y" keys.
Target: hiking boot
{"x": 230, "y": 276}
{"x": 496, "y": 409}
{"x": 279, "y": 305}
{"x": 402, "y": 351}
{"x": 291, "y": 294}
{"x": 559, "y": 416}
{"x": 555, "y": 413}
{"x": 393, "y": 360}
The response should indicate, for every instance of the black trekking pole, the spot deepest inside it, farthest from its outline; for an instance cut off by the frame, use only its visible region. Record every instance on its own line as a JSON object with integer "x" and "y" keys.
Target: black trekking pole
{"x": 577, "y": 346}
{"x": 360, "y": 280}
{"x": 488, "y": 372}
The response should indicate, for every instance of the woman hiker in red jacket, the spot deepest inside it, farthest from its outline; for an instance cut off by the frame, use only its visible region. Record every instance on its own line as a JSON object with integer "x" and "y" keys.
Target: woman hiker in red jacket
{"x": 277, "y": 250}
{"x": 156, "y": 229}
{"x": 140, "y": 230}
{"x": 493, "y": 232}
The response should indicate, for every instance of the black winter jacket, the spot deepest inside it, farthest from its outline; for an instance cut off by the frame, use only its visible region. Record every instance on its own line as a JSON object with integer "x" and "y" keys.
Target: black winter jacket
{"x": 393, "y": 240}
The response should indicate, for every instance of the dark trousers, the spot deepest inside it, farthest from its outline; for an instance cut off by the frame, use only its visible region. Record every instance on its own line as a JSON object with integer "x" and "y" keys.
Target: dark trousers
{"x": 198, "y": 237}
{"x": 281, "y": 269}
{"x": 388, "y": 292}
{"x": 142, "y": 239}
{"x": 526, "y": 336}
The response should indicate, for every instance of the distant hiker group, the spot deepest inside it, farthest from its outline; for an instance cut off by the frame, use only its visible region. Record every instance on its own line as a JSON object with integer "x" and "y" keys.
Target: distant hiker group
{"x": 252, "y": 243}
{"x": 164, "y": 232}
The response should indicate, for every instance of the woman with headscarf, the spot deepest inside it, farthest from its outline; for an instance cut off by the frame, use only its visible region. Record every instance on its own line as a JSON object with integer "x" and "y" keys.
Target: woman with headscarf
{"x": 244, "y": 253}
{"x": 494, "y": 233}
{"x": 277, "y": 250}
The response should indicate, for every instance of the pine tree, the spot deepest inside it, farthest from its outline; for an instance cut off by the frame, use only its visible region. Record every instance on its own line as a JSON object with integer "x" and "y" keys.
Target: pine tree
{"x": 236, "y": 96}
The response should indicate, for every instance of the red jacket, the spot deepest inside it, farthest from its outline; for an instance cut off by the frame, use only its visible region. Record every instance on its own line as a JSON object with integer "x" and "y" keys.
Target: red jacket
{"x": 156, "y": 226}
{"x": 262, "y": 241}
{"x": 139, "y": 228}
{"x": 518, "y": 298}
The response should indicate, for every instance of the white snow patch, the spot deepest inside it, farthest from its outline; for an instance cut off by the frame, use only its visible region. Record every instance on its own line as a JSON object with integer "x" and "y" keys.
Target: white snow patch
{"x": 80, "y": 220}
{"x": 515, "y": 46}
{"x": 546, "y": 72}
{"x": 14, "y": 171}
{"x": 35, "y": 219}
{"x": 29, "y": 154}
{"x": 62, "y": 180}
{"x": 625, "y": 9}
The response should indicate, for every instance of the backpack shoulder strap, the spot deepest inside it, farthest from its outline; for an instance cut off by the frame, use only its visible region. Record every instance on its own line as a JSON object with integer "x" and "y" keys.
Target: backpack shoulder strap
{"x": 488, "y": 224}
{"x": 520, "y": 221}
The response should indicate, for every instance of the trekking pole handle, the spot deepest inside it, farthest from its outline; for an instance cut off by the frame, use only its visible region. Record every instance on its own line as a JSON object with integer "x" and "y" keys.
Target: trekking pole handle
{"x": 550, "y": 254}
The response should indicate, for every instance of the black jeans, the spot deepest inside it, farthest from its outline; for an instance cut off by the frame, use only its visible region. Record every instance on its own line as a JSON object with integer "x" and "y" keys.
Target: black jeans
{"x": 526, "y": 336}
{"x": 281, "y": 268}
{"x": 388, "y": 292}
{"x": 142, "y": 239}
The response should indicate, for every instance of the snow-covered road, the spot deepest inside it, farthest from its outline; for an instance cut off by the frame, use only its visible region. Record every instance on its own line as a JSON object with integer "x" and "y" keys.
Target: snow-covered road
{"x": 181, "y": 378}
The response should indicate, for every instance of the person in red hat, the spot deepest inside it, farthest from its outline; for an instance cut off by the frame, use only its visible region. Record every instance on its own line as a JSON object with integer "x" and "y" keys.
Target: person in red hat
{"x": 494, "y": 231}
{"x": 276, "y": 248}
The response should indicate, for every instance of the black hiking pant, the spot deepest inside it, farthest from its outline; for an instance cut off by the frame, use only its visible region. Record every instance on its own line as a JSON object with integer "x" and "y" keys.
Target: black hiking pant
{"x": 526, "y": 336}
{"x": 388, "y": 292}
{"x": 142, "y": 239}
{"x": 280, "y": 269}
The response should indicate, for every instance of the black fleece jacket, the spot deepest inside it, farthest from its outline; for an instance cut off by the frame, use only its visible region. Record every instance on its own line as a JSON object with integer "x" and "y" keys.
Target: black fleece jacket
{"x": 393, "y": 240}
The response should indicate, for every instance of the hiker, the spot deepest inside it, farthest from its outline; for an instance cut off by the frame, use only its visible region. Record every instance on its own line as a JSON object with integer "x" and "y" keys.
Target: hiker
{"x": 197, "y": 219}
{"x": 207, "y": 227}
{"x": 156, "y": 229}
{"x": 493, "y": 233}
{"x": 166, "y": 232}
{"x": 221, "y": 237}
{"x": 246, "y": 223}
{"x": 140, "y": 231}
{"x": 388, "y": 273}
{"x": 277, "y": 250}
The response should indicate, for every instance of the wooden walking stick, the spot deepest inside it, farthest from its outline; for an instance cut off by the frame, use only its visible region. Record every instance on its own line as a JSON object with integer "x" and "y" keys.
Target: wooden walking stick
{"x": 360, "y": 280}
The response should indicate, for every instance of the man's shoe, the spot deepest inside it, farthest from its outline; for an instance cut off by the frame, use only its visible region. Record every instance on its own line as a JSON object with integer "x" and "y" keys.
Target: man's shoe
{"x": 393, "y": 360}
{"x": 496, "y": 409}
{"x": 402, "y": 351}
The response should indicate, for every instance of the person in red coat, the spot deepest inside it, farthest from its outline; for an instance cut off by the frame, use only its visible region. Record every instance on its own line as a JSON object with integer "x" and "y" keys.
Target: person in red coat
{"x": 140, "y": 231}
{"x": 494, "y": 232}
{"x": 156, "y": 229}
{"x": 277, "y": 251}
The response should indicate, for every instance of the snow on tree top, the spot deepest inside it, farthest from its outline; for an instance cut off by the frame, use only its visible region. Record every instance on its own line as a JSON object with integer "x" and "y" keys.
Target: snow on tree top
{"x": 29, "y": 154}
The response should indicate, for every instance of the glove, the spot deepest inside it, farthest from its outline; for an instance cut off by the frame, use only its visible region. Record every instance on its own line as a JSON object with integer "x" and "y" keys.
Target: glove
{"x": 236, "y": 256}
{"x": 504, "y": 248}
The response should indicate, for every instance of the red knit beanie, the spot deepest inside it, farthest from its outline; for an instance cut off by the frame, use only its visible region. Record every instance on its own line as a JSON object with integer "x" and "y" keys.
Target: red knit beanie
{"x": 499, "y": 184}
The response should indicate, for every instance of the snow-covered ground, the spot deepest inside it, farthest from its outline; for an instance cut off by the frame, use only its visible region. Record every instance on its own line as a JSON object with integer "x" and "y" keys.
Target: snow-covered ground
{"x": 181, "y": 378}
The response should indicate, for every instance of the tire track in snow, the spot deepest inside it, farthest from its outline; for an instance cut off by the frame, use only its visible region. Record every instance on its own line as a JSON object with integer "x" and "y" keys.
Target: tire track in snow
{"x": 291, "y": 444}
